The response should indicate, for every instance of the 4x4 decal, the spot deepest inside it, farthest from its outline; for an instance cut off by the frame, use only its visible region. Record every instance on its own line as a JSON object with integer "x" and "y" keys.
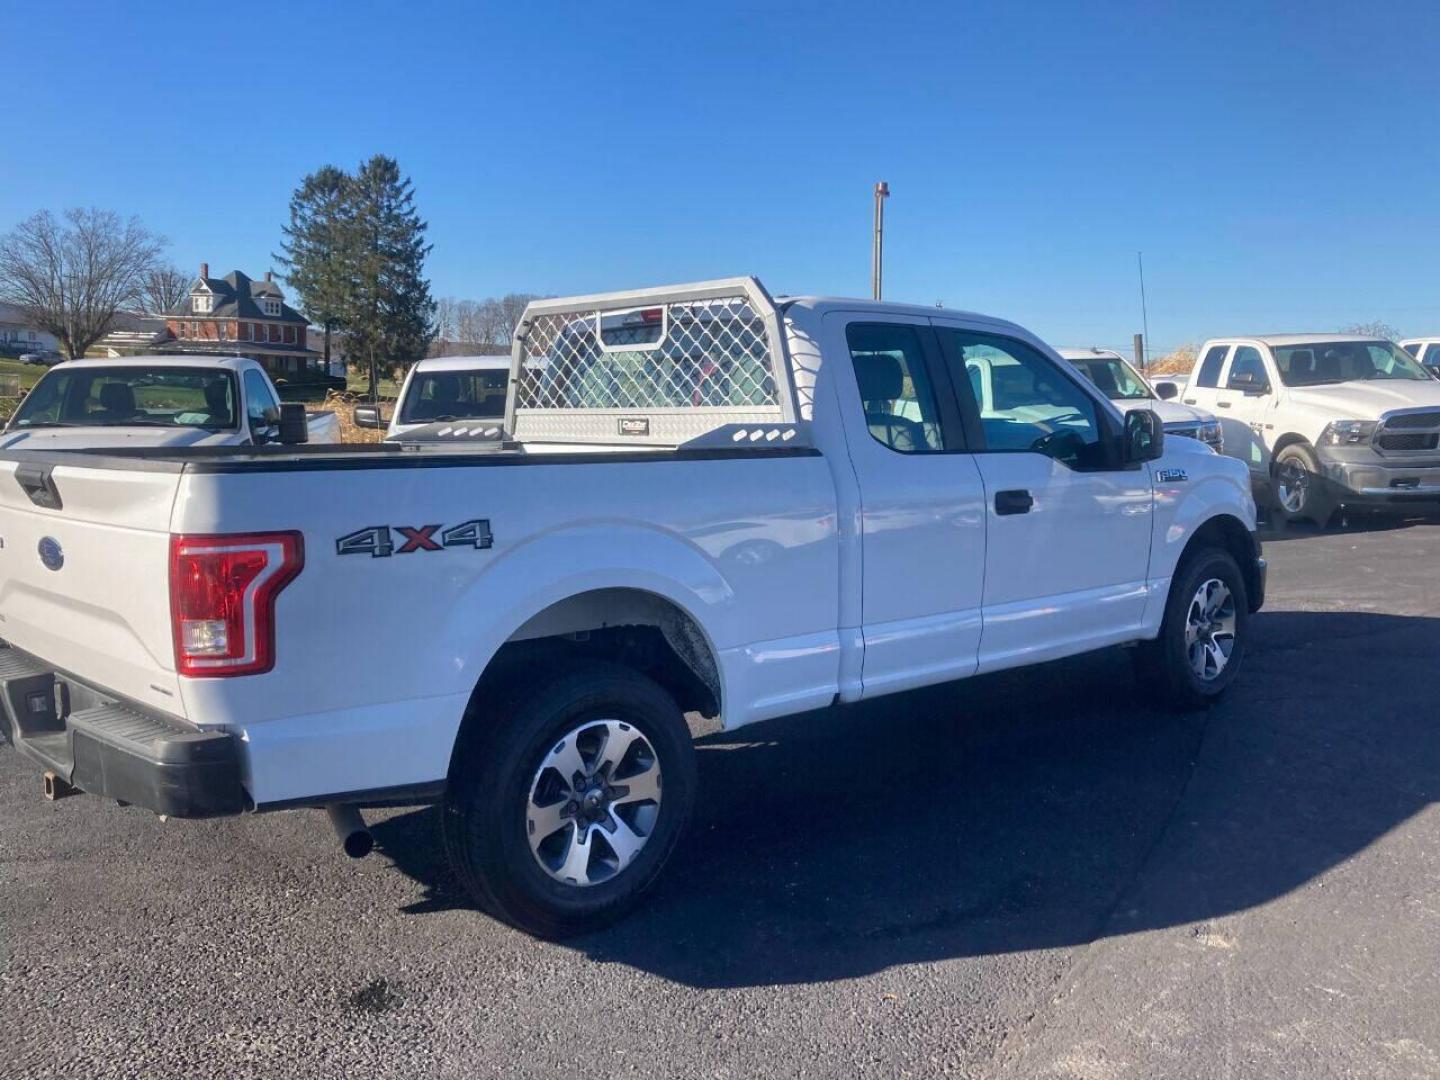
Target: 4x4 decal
{"x": 377, "y": 541}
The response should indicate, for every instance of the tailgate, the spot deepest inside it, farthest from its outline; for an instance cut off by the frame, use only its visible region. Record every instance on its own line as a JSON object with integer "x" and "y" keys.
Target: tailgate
{"x": 85, "y": 585}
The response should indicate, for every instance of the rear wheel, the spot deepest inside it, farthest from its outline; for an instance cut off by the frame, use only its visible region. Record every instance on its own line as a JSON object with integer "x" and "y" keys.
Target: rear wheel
{"x": 1301, "y": 492}
{"x": 1204, "y": 634}
{"x": 567, "y": 796}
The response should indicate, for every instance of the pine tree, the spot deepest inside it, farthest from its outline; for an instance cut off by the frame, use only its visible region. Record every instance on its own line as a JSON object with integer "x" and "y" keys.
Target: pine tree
{"x": 389, "y": 315}
{"x": 315, "y": 259}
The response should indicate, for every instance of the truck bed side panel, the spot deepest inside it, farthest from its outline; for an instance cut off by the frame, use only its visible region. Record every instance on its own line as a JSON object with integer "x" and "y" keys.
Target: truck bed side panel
{"x": 378, "y": 653}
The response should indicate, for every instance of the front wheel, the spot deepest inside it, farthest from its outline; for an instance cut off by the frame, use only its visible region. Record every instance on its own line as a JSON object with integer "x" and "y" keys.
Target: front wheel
{"x": 1300, "y": 488}
{"x": 1204, "y": 635}
{"x": 567, "y": 796}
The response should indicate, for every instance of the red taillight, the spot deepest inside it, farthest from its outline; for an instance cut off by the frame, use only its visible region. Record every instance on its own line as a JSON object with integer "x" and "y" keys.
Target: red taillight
{"x": 222, "y": 599}
{"x": 652, "y": 315}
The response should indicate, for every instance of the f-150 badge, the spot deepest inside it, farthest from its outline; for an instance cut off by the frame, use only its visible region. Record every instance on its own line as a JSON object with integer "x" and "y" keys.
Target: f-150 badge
{"x": 380, "y": 541}
{"x": 1171, "y": 476}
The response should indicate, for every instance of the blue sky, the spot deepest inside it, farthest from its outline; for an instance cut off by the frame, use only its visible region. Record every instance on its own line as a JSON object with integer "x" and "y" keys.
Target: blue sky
{"x": 1277, "y": 163}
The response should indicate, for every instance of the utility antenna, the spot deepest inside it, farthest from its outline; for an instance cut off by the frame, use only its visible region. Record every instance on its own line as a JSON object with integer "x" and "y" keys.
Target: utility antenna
{"x": 1144, "y": 315}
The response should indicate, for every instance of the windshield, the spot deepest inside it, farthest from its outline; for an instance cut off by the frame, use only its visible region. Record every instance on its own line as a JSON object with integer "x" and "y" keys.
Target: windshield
{"x": 129, "y": 396}
{"x": 455, "y": 395}
{"x": 1116, "y": 379}
{"x": 1320, "y": 363}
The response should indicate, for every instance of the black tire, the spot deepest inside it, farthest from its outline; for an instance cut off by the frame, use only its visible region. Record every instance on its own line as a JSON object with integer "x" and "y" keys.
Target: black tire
{"x": 1165, "y": 664}
{"x": 1301, "y": 491}
{"x": 490, "y": 789}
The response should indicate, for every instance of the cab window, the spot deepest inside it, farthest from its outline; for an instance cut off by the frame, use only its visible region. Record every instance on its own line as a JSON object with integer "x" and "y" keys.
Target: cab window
{"x": 895, "y": 387}
{"x": 260, "y": 404}
{"x": 1026, "y": 402}
{"x": 1247, "y": 369}
{"x": 1209, "y": 374}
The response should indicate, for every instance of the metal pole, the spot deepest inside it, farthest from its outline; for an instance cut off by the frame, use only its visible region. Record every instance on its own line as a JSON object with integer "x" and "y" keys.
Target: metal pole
{"x": 877, "y": 254}
{"x": 1140, "y": 351}
{"x": 1144, "y": 314}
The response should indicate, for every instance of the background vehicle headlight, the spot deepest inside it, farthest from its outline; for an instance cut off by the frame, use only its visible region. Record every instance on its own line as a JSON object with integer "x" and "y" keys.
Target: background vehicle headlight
{"x": 1347, "y": 432}
{"x": 1212, "y": 435}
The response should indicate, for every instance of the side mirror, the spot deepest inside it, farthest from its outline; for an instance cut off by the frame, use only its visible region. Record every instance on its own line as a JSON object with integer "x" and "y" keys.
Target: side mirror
{"x": 1144, "y": 438}
{"x": 1248, "y": 382}
{"x": 294, "y": 428}
{"x": 1166, "y": 390}
{"x": 367, "y": 416}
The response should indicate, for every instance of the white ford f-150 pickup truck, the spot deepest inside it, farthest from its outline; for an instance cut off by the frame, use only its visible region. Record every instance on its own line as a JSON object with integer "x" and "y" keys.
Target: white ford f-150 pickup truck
{"x": 444, "y": 388}
{"x": 1324, "y": 420}
{"x": 161, "y": 401}
{"x": 702, "y": 499}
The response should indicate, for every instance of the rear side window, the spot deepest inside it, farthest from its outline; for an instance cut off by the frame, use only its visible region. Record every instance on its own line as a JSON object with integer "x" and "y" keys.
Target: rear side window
{"x": 1209, "y": 374}
{"x": 1432, "y": 355}
{"x": 895, "y": 386}
{"x": 1247, "y": 362}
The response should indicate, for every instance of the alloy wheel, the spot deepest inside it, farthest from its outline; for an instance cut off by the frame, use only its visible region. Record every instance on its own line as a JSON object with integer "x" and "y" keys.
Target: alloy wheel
{"x": 1210, "y": 629}
{"x": 1292, "y": 483}
{"x": 593, "y": 802}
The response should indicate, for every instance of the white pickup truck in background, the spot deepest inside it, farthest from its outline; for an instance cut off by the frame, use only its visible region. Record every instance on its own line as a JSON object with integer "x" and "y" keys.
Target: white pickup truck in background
{"x": 1128, "y": 389}
{"x": 703, "y": 499}
{"x": 159, "y": 401}
{"x": 1324, "y": 420}
{"x": 444, "y": 388}
{"x": 1426, "y": 350}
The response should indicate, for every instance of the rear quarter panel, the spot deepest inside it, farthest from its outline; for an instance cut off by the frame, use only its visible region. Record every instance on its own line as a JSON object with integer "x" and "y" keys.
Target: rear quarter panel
{"x": 378, "y": 656}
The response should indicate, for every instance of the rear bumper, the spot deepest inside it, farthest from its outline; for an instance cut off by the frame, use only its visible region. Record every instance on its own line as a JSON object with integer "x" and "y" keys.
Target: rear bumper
{"x": 114, "y": 749}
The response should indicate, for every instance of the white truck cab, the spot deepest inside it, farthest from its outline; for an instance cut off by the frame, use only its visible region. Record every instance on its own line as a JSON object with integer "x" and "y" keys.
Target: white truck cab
{"x": 704, "y": 498}
{"x": 158, "y": 401}
{"x": 1128, "y": 389}
{"x": 1324, "y": 420}
{"x": 1426, "y": 350}
{"x": 444, "y": 388}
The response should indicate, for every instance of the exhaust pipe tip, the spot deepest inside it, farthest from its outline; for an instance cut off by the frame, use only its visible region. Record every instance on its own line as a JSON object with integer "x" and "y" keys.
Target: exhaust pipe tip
{"x": 358, "y": 844}
{"x": 350, "y": 830}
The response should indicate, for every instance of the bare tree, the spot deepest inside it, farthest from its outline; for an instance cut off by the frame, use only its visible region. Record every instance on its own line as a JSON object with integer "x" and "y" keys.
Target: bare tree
{"x": 446, "y": 317}
{"x": 73, "y": 277}
{"x": 511, "y": 307}
{"x": 469, "y": 328}
{"x": 161, "y": 288}
{"x": 1375, "y": 328}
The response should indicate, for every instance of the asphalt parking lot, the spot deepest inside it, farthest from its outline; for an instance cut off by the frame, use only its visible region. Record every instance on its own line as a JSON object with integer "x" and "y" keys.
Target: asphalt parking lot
{"x": 1027, "y": 875}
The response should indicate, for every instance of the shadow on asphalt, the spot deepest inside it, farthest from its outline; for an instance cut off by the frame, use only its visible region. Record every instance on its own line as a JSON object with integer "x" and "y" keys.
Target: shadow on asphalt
{"x": 1274, "y": 529}
{"x": 1015, "y": 811}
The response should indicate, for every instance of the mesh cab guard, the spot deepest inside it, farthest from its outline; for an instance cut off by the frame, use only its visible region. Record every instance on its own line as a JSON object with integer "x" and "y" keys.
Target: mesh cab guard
{"x": 660, "y": 366}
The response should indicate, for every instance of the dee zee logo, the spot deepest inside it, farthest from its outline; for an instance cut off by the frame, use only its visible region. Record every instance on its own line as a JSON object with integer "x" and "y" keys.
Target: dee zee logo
{"x": 377, "y": 540}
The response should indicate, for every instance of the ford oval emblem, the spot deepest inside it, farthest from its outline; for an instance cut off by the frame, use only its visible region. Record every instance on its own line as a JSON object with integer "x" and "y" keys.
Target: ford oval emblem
{"x": 51, "y": 554}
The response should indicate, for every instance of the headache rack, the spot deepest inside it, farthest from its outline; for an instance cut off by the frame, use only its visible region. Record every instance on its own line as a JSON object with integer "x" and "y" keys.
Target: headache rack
{"x": 678, "y": 365}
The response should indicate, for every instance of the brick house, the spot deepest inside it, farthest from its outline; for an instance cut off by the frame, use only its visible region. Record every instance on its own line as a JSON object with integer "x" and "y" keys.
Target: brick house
{"x": 239, "y": 316}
